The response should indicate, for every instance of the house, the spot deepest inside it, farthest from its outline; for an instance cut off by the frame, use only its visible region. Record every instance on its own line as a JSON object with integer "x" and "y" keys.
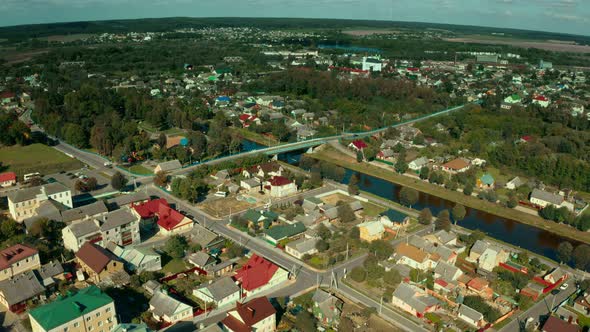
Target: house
{"x": 15, "y": 292}
{"x": 414, "y": 257}
{"x": 264, "y": 219}
{"x": 170, "y": 221}
{"x": 264, "y": 170}
{"x": 87, "y": 310}
{"x": 487, "y": 256}
{"x": 167, "y": 309}
{"x": 204, "y": 237}
{"x": 447, "y": 272}
{"x": 251, "y": 184}
{"x": 151, "y": 286}
{"x": 470, "y": 316}
{"x": 119, "y": 226}
{"x": 543, "y": 198}
{"x": 414, "y": 300}
{"x": 201, "y": 259}
{"x": 455, "y": 166}
{"x": 582, "y": 304}
{"x": 358, "y": 145}
{"x": 23, "y": 203}
{"x": 51, "y": 273}
{"x": 255, "y": 315}
{"x": 92, "y": 210}
{"x": 486, "y": 181}
{"x": 127, "y": 200}
{"x": 371, "y": 230}
{"x": 222, "y": 268}
{"x": 480, "y": 287}
{"x": 168, "y": 166}
{"x": 278, "y": 233}
{"x": 7, "y": 97}
{"x": 302, "y": 247}
{"x": 557, "y": 275}
{"x": 137, "y": 259}
{"x": 279, "y": 186}
{"x": 541, "y": 101}
{"x": 327, "y": 308}
{"x": 444, "y": 238}
{"x": 554, "y": 324}
{"x": 18, "y": 259}
{"x": 221, "y": 292}
{"x": 417, "y": 164}
{"x": 98, "y": 263}
{"x": 259, "y": 274}
{"x": 7, "y": 179}
{"x": 372, "y": 64}
{"x": 514, "y": 183}
{"x": 131, "y": 328}
{"x": 512, "y": 99}
{"x": 396, "y": 218}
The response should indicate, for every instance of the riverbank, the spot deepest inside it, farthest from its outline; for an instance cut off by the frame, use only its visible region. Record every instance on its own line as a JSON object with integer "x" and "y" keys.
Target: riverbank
{"x": 329, "y": 154}
{"x": 256, "y": 138}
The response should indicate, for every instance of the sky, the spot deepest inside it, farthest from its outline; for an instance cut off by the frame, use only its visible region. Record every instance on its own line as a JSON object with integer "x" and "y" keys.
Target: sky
{"x": 566, "y": 16}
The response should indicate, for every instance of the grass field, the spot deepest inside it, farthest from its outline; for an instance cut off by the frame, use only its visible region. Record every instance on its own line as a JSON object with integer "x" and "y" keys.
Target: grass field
{"x": 174, "y": 266}
{"x": 372, "y": 209}
{"x": 139, "y": 169}
{"x": 331, "y": 155}
{"x": 36, "y": 158}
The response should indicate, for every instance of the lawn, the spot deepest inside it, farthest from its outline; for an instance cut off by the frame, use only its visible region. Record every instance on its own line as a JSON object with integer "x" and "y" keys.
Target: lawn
{"x": 139, "y": 169}
{"x": 335, "y": 198}
{"x": 317, "y": 262}
{"x": 175, "y": 265}
{"x": 330, "y": 155}
{"x": 372, "y": 209}
{"x": 36, "y": 158}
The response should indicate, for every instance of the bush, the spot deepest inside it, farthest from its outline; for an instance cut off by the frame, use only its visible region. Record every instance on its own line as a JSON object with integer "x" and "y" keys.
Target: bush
{"x": 358, "y": 274}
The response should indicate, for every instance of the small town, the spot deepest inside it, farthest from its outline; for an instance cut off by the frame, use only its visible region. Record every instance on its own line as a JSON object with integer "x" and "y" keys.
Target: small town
{"x": 292, "y": 175}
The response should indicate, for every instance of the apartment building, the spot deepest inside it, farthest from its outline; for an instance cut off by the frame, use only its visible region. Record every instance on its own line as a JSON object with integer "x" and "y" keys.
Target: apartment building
{"x": 18, "y": 259}
{"x": 23, "y": 203}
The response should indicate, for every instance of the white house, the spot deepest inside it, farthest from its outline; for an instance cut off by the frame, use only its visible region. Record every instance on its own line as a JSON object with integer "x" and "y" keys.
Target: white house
{"x": 222, "y": 292}
{"x": 23, "y": 203}
{"x": 514, "y": 183}
{"x": 279, "y": 186}
{"x": 7, "y": 179}
{"x": 302, "y": 247}
{"x": 167, "y": 309}
{"x": 120, "y": 227}
{"x": 470, "y": 316}
{"x": 168, "y": 166}
{"x": 541, "y": 101}
{"x": 251, "y": 185}
{"x": 417, "y": 164}
{"x": 372, "y": 64}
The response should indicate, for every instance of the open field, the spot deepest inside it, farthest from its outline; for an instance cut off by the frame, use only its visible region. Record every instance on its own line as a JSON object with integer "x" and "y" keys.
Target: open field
{"x": 335, "y": 198}
{"x": 36, "y": 158}
{"x": 12, "y": 56}
{"x": 550, "y": 45}
{"x": 68, "y": 38}
{"x": 369, "y": 32}
{"x": 372, "y": 209}
{"x": 224, "y": 206}
{"x": 139, "y": 169}
{"x": 330, "y": 155}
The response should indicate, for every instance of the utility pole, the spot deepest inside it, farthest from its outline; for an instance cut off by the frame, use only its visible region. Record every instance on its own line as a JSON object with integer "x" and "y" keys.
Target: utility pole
{"x": 381, "y": 306}
{"x": 346, "y": 250}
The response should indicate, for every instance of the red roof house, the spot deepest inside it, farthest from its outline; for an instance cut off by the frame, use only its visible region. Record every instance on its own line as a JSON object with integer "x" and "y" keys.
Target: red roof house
{"x": 280, "y": 186}
{"x": 358, "y": 145}
{"x": 169, "y": 220}
{"x": 259, "y": 274}
{"x": 7, "y": 179}
{"x": 251, "y": 316}
{"x": 26, "y": 258}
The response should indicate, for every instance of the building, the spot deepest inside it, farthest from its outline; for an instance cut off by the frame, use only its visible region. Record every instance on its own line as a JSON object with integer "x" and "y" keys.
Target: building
{"x": 201, "y": 259}
{"x": 281, "y": 232}
{"x": 582, "y": 304}
{"x": 371, "y": 230}
{"x": 258, "y": 275}
{"x": 131, "y": 328}
{"x": 255, "y": 315}
{"x": 447, "y": 272}
{"x": 557, "y": 275}
{"x": 541, "y": 101}
{"x": 23, "y": 203}
{"x": 265, "y": 170}
{"x": 487, "y": 256}
{"x": 137, "y": 259}
{"x": 279, "y": 186}
{"x": 487, "y": 58}
{"x": 412, "y": 256}
{"x": 51, "y": 273}
{"x": 222, "y": 292}
{"x": 414, "y": 300}
{"x": 120, "y": 227}
{"x": 98, "y": 263}
{"x": 358, "y": 145}
{"x": 92, "y": 210}
{"x": 372, "y": 64}
{"x": 327, "y": 308}
{"x": 167, "y": 309}
{"x": 169, "y": 222}
{"x": 543, "y": 198}
{"x": 456, "y": 166}
{"x": 15, "y": 292}
{"x": 470, "y": 316}
{"x": 204, "y": 237}
{"x": 545, "y": 64}
{"x": 7, "y": 179}
{"x": 554, "y": 324}
{"x": 514, "y": 183}
{"x": 88, "y": 310}
{"x": 486, "y": 181}
{"x": 168, "y": 166}
{"x": 251, "y": 184}
{"x": 18, "y": 259}
{"x": 302, "y": 247}
{"x": 513, "y": 99}
{"x": 417, "y": 164}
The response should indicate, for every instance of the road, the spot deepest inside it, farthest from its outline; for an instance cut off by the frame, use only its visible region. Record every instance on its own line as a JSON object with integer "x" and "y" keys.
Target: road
{"x": 306, "y": 277}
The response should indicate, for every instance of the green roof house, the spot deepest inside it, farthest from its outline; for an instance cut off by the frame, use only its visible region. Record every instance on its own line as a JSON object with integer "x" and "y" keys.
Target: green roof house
{"x": 275, "y": 234}
{"x": 89, "y": 307}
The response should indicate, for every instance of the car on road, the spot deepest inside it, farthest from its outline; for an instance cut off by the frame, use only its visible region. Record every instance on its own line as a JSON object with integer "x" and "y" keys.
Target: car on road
{"x": 564, "y": 286}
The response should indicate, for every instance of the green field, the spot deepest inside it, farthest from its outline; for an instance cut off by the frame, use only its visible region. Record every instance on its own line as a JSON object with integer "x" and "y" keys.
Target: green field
{"x": 139, "y": 169}
{"x": 36, "y": 158}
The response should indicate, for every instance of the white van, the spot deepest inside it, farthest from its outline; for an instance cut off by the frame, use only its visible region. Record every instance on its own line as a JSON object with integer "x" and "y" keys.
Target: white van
{"x": 29, "y": 176}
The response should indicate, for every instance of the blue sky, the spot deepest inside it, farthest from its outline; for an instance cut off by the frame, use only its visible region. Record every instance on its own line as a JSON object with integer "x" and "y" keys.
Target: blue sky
{"x": 569, "y": 16}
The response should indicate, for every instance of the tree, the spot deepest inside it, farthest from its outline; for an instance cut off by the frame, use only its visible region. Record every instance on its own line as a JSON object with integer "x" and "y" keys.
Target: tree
{"x": 322, "y": 245}
{"x": 512, "y": 202}
{"x": 381, "y": 248}
{"x": 359, "y": 156}
{"x": 443, "y": 220}
{"x": 392, "y": 277}
{"x": 354, "y": 233}
{"x": 408, "y": 196}
{"x": 424, "y": 173}
{"x": 176, "y": 246}
{"x": 353, "y": 188}
{"x": 80, "y": 186}
{"x": 401, "y": 166}
{"x": 458, "y": 213}
{"x": 118, "y": 181}
{"x": 9, "y": 228}
{"x": 581, "y": 256}
{"x": 358, "y": 274}
{"x": 161, "y": 179}
{"x": 425, "y": 216}
{"x": 91, "y": 183}
{"x": 234, "y": 251}
{"x": 583, "y": 222}
{"x": 305, "y": 321}
{"x": 564, "y": 252}
{"x": 345, "y": 212}
{"x": 479, "y": 304}
{"x": 468, "y": 189}
{"x": 323, "y": 232}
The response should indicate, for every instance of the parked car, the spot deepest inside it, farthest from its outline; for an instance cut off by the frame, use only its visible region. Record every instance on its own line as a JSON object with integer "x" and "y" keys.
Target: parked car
{"x": 564, "y": 286}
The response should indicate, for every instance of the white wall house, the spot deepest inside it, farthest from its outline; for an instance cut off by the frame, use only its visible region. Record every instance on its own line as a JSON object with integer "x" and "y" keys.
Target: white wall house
{"x": 23, "y": 203}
